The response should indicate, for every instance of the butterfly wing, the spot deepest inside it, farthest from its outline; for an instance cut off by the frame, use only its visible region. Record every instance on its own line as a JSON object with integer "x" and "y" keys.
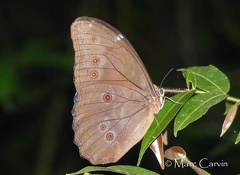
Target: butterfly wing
{"x": 112, "y": 109}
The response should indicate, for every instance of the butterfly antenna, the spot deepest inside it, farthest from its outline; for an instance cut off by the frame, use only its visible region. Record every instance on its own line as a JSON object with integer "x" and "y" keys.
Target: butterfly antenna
{"x": 161, "y": 86}
{"x": 166, "y": 76}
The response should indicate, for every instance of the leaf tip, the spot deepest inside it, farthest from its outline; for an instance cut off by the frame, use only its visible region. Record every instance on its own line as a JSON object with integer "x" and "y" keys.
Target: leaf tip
{"x": 229, "y": 118}
{"x": 222, "y": 133}
{"x": 175, "y": 133}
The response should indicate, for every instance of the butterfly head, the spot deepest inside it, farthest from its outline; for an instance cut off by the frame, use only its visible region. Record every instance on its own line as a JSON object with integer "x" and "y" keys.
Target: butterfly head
{"x": 158, "y": 99}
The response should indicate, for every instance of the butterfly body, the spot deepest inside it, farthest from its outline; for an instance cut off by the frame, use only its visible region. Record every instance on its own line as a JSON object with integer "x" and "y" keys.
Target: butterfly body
{"x": 116, "y": 101}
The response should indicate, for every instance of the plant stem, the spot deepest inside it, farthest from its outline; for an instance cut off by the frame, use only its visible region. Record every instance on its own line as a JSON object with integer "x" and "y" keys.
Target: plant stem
{"x": 229, "y": 98}
{"x": 194, "y": 167}
{"x": 233, "y": 100}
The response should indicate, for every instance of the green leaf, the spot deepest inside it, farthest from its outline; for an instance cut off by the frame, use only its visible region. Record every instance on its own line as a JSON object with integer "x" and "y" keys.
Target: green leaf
{"x": 190, "y": 79}
{"x": 238, "y": 138}
{"x": 207, "y": 78}
{"x": 197, "y": 106}
{"x": 120, "y": 169}
{"x": 166, "y": 114}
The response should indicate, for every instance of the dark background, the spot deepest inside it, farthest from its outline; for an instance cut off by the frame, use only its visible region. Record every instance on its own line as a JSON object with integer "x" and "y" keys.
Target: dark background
{"x": 36, "y": 72}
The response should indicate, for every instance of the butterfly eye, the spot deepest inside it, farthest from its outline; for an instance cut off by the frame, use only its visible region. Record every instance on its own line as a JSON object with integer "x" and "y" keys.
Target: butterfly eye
{"x": 161, "y": 92}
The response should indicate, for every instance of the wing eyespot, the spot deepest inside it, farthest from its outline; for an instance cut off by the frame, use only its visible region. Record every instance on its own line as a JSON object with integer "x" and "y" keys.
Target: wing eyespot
{"x": 103, "y": 127}
{"x": 107, "y": 97}
{"x": 94, "y": 74}
{"x": 95, "y": 60}
{"x": 110, "y": 136}
{"x": 93, "y": 39}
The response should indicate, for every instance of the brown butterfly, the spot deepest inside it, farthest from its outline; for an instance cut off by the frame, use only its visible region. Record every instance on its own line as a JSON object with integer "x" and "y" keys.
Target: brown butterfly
{"x": 116, "y": 100}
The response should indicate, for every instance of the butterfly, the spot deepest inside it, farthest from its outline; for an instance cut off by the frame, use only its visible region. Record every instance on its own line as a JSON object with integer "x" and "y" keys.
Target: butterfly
{"x": 115, "y": 101}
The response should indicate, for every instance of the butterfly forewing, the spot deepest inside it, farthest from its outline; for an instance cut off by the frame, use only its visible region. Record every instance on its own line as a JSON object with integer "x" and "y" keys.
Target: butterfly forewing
{"x": 112, "y": 109}
{"x": 100, "y": 43}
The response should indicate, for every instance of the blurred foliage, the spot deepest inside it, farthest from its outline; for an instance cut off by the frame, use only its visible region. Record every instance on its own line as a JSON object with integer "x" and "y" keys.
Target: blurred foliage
{"x": 35, "y": 67}
{"x": 36, "y": 60}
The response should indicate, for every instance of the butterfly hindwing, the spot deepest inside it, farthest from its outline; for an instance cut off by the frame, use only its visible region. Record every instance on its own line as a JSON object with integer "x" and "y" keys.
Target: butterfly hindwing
{"x": 108, "y": 123}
